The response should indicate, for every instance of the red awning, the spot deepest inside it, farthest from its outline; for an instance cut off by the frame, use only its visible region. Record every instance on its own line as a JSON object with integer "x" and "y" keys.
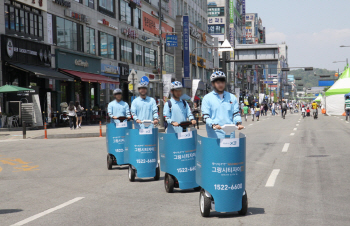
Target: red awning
{"x": 89, "y": 77}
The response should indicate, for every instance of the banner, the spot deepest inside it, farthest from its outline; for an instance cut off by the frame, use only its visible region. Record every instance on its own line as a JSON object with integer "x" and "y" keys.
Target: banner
{"x": 231, "y": 12}
{"x": 243, "y": 20}
{"x": 48, "y": 107}
{"x": 49, "y": 29}
{"x": 186, "y": 48}
{"x": 237, "y": 92}
{"x": 166, "y": 85}
{"x": 195, "y": 83}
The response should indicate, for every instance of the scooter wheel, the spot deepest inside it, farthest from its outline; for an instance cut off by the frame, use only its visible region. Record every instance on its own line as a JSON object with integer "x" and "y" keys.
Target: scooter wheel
{"x": 131, "y": 173}
{"x": 157, "y": 173}
{"x": 109, "y": 162}
{"x": 197, "y": 188}
{"x": 204, "y": 204}
{"x": 244, "y": 209}
{"x": 169, "y": 183}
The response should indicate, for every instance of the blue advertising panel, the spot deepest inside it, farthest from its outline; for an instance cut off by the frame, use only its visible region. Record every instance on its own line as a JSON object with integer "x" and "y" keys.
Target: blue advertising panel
{"x": 325, "y": 83}
{"x": 171, "y": 40}
{"x": 220, "y": 170}
{"x": 115, "y": 140}
{"x": 141, "y": 151}
{"x": 186, "y": 37}
{"x": 177, "y": 153}
{"x": 110, "y": 70}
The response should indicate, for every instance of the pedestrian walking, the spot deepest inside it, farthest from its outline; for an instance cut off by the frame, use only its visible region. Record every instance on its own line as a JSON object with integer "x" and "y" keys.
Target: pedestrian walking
{"x": 347, "y": 107}
{"x": 265, "y": 109}
{"x": 257, "y": 112}
{"x": 252, "y": 112}
{"x": 245, "y": 112}
{"x": 79, "y": 109}
{"x": 195, "y": 111}
{"x": 72, "y": 114}
{"x": 284, "y": 109}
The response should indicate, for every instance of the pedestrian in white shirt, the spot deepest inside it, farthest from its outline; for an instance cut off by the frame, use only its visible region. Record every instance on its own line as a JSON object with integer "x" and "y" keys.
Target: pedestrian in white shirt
{"x": 72, "y": 112}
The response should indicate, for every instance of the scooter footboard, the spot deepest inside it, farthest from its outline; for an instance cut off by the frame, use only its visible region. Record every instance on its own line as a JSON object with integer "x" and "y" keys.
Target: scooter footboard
{"x": 220, "y": 170}
{"x": 115, "y": 140}
{"x": 177, "y": 157}
{"x": 141, "y": 151}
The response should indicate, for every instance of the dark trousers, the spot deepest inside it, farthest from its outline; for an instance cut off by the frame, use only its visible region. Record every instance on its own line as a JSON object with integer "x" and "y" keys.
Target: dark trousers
{"x": 72, "y": 121}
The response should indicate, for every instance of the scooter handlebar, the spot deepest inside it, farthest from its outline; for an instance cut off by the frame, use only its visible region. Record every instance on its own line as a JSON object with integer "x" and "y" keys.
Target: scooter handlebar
{"x": 185, "y": 124}
{"x": 123, "y": 118}
{"x": 228, "y": 128}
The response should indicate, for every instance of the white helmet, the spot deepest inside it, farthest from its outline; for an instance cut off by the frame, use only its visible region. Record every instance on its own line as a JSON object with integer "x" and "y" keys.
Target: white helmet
{"x": 217, "y": 75}
{"x": 142, "y": 85}
{"x": 117, "y": 91}
{"x": 176, "y": 85}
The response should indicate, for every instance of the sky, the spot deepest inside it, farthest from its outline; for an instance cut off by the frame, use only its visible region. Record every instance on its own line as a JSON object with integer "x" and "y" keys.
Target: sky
{"x": 312, "y": 29}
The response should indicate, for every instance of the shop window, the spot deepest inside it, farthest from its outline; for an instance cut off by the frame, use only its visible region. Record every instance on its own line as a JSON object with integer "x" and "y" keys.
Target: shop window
{"x": 125, "y": 12}
{"x": 21, "y": 19}
{"x": 150, "y": 58}
{"x": 107, "y": 7}
{"x": 69, "y": 34}
{"x": 137, "y": 18}
{"x": 126, "y": 51}
{"x": 138, "y": 53}
{"x": 107, "y": 45}
{"x": 90, "y": 3}
{"x": 64, "y": 93}
{"x": 90, "y": 40}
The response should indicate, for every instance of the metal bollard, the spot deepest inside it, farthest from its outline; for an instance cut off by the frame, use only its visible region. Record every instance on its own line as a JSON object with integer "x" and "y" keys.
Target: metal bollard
{"x": 24, "y": 126}
{"x": 100, "y": 129}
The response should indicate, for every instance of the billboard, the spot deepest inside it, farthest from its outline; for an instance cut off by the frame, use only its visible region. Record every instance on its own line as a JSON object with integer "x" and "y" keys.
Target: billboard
{"x": 216, "y": 29}
{"x": 243, "y": 20}
{"x": 231, "y": 12}
{"x": 151, "y": 24}
{"x": 325, "y": 82}
{"x": 186, "y": 37}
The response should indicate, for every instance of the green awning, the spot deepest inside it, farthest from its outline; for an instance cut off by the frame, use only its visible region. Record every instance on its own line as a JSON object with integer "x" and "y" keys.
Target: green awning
{"x": 11, "y": 89}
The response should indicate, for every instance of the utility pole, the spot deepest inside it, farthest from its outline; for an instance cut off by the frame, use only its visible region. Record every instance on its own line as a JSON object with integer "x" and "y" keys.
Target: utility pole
{"x": 161, "y": 121}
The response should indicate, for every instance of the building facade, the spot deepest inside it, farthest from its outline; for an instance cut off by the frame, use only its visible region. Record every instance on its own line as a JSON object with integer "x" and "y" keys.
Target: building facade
{"x": 81, "y": 50}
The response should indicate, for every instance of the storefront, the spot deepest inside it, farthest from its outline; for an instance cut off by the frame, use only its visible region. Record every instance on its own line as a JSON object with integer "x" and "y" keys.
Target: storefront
{"x": 85, "y": 70}
{"x": 106, "y": 90}
{"x": 28, "y": 64}
{"x": 124, "y": 84}
{"x": 202, "y": 87}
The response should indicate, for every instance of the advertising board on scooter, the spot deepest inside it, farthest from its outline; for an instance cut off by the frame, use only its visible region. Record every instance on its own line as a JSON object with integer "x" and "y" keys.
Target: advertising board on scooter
{"x": 229, "y": 143}
{"x": 121, "y": 124}
{"x": 184, "y": 135}
{"x": 145, "y": 131}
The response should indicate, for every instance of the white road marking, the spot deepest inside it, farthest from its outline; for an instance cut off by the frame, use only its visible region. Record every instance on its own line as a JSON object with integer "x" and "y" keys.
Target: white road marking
{"x": 347, "y": 122}
{"x": 285, "y": 147}
{"x": 341, "y": 119}
{"x": 295, "y": 129}
{"x": 272, "y": 179}
{"x": 297, "y": 124}
{"x": 292, "y": 134}
{"x": 29, "y": 219}
{"x": 250, "y": 124}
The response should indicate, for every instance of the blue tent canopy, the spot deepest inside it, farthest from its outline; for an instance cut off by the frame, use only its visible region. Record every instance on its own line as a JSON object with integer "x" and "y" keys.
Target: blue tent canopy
{"x": 347, "y": 95}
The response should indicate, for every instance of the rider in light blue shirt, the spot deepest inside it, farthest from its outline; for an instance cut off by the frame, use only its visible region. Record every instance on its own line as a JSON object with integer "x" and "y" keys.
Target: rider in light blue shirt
{"x": 117, "y": 107}
{"x": 144, "y": 108}
{"x": 179, "y": 111}
{"x": 220, "y": 107}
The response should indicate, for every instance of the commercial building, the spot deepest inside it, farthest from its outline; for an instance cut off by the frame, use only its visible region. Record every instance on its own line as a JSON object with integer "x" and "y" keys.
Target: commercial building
{"x": 81, "y": 50}
{"x": 254, "y": 30}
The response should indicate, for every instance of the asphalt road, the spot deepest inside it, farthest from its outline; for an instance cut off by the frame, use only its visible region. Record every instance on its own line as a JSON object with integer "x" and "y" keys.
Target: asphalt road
{"x": 311, "y": 184}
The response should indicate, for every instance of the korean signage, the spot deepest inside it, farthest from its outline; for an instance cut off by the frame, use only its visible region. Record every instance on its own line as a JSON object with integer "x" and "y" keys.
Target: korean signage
{"x": 130, "y": 33}
{"x": 171, "y": 40}
{"x": 78, "y": 62}
{"x": 49, "y": 29}
{"x": 201, "y": 62}
{"x": 216, "y": 20}
{"x": 22, "y": 51}
{"x": 243, "y": 20}
{"x": 76, "y": 16}
{"x": 109, "y": 70}
{"x": 151, "y": 24}
{"x": 248, "y": 32}
{"x": 194, "y": 32}
{"x": 106, "y": 23}
{"x": 186, "y": 37}
{"x": 39, "y": 4}
{"x": 216, "y": 29}
{"x": 232, "y": 7}
{"x": 63, "y": 3}
{"x": 232, "y": 38}
{"x": 216, "y": 11}
{"x": 249, "y": 17}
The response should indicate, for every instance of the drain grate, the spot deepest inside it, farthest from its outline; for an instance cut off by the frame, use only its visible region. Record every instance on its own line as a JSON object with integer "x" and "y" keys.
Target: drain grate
{"x": 317, "y": 156}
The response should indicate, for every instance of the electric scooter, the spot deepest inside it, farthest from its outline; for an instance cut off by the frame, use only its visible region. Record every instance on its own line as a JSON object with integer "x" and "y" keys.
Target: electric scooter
{"x": 177, "y": 158}
{"x": 115, "y": 139}
{"x": 141, "y": 152}
{"x": 220, "y": 171}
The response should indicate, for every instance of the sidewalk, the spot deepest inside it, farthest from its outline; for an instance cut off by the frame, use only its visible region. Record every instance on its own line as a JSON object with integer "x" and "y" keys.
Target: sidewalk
{"x": 59, "y": 133}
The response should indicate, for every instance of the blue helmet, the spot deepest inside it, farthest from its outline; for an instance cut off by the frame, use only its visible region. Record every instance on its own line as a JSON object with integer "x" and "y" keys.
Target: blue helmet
{"x": 176, "y": 85}
{"x": 117, "y": 91}
{"x": 217, "y": 75}
{"x": 143, "y": 85}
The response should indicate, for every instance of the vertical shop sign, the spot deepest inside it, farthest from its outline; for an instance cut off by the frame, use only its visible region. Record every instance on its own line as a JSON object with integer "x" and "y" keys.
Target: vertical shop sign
{"x": 48, "y": 94}
{"x": 243, "y": 21}
{"x": 231, "y": 11}
{"x": 186, "y": 37}
{"x": 49, "y": 29}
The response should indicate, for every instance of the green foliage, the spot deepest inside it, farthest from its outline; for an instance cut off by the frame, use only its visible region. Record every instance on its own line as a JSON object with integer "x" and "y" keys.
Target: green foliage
{"x": 308, "y": 77}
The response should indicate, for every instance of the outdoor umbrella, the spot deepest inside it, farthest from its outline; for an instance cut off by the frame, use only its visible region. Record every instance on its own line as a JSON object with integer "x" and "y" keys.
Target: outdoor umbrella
{"x": 185, "y": 97}
{"x": 10, "y": 89}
